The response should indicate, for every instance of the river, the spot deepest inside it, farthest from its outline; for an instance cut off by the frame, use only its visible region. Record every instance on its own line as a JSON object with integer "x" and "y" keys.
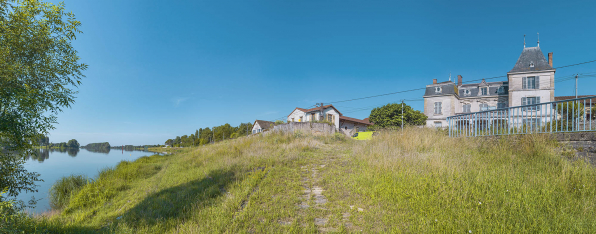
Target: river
{"x": 55, "y": 164}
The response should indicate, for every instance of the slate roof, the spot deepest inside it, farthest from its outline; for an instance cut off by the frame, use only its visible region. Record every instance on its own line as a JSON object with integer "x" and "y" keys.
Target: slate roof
{"x": 447, "y": 88}
{"x": 493, "y": 89}
{"x": 265, "y": 124}
{"x": 529, "y": 55}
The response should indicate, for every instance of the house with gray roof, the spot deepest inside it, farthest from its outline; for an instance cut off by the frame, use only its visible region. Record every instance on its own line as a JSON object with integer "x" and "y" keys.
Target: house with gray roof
{"x": 262, "y": 126}
{"x": 530, "y": 81}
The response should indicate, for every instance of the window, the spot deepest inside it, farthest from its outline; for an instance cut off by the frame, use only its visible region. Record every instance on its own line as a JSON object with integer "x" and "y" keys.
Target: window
{"x": 530, "y": 101}
{"x": 346, "y": 127}
{"x": 438, "y": 89}
{"x": 357, "y": 129}
{"x": 438, "y": 124}
{"x": 483, "y": 106}
{"x": 501, "y": 90}
{"x": 330, "y": 118}
{"x": 467, "y": 108}
{"x": 259, "y": 130}
{"x": 484, "y": 91}
{"x": 254, "y": 131}
{"x": 467, "y": 92}
{"x": 292, "y": 119}
{"x": 501, "y": 105}
{"x": 300, "y": 120}
{"x": 530, "y": 82}
{"x": 531, "y": 64}
{"x": 438, "y": 108}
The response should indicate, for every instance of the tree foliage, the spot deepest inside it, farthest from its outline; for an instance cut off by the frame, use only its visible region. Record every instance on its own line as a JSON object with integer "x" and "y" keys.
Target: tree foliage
{"x": 38, "y": 70}
{"x": 206, "y": 135}
{"x": 390, "y": 115}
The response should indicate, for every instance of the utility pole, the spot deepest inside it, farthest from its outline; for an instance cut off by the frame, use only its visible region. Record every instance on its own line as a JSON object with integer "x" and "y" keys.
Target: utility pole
{"x": 576, "y": 76}
{"x": 402, "y": 114}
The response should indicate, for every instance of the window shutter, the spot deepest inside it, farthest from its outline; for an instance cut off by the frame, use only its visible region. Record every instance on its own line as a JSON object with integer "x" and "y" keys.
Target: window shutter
{"x": 523, "y": 101}
{"x": 524, "y": 83}
{"x": 537, "y": 99}
{"x": 537, "y": 82}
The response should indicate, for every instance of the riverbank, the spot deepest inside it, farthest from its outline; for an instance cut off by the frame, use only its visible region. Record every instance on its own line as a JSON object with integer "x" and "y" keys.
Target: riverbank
{"x": 418, "y": 181}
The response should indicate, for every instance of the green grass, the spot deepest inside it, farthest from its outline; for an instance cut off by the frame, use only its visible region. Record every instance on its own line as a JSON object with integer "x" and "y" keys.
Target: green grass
{"x": 61, "y": 191}
{"x": 418, "y": 180}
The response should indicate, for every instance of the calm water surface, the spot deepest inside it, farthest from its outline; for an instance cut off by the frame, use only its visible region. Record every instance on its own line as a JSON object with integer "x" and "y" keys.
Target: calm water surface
{"x": 55, "y": 164}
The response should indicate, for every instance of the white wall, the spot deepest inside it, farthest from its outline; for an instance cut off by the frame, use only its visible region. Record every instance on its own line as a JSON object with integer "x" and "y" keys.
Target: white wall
{"x": 296, "y": 114}
{"x": 256, "y": 128}
{"x": 546, "y": 89}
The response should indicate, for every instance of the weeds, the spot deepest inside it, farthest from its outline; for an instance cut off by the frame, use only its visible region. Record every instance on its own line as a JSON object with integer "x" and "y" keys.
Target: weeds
{"x": 415, "y": 180}
{"x": 61, "y": 192}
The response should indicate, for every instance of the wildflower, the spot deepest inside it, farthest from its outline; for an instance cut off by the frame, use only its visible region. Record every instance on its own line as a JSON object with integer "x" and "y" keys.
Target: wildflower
{"x": 436, "y": 220}
{"x": 479, "y": 203}
{"x": 470, "y": 231}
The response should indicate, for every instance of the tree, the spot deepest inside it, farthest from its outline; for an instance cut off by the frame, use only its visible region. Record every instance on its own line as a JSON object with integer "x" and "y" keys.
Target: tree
{"x": 169, "y": 142}
{"x": 73, "y": 144}
{"x": 390, "y": 116}
{"x": 38, "y": 70}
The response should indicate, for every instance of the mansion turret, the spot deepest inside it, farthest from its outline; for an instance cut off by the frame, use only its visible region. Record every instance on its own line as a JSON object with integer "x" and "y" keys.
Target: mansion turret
{"x": 531, "y": 81}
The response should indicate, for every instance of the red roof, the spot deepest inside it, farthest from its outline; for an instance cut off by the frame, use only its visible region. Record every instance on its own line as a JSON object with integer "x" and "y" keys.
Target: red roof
{"x": 315, "y": 109}
{"x": 362, "y": 121}
{"x": 562, "y": 98}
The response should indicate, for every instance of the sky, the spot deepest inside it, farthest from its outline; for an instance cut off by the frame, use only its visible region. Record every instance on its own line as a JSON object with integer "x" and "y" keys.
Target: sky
{"x": 161, "y": 69}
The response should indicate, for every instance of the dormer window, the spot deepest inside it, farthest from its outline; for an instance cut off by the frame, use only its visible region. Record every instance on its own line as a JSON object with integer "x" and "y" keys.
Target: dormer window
{"x": 484, "y": 91}
{"x": 467, "y": 92}
{"x": 531, "y": 64}
{"x": 501, "y": 90}
{"x": 437, "y": 89}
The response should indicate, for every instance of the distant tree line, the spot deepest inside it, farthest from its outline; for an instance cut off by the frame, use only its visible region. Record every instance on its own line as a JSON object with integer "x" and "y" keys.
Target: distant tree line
{"x": 73, "y": 144}
{"x": 98, "y": 146}
{"x": 204, "y": 136}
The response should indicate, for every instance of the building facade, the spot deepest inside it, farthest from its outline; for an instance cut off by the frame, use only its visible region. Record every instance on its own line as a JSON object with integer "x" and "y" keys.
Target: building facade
{"x": 531, "y": 81}
{"x": 329, "y": 113}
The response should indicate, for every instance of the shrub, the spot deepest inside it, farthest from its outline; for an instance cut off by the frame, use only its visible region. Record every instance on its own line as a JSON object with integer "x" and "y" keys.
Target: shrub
{"x": 570, "y": 109}
{"x": 61, "y": 192}
{"x": 593, "y": 112}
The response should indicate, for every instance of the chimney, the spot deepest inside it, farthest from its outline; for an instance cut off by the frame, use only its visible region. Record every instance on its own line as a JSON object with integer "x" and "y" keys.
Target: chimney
{"x": 459, "y": 83}
{"x": 550, "y": 59}
{"x": 434, "y": 81}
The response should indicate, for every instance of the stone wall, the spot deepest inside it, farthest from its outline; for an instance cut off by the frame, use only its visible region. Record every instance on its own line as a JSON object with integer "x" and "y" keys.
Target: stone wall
{"x": 305, "y": 127}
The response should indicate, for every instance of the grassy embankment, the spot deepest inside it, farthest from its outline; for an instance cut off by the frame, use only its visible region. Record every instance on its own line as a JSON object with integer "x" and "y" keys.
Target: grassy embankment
{"x": 418, "y": 181}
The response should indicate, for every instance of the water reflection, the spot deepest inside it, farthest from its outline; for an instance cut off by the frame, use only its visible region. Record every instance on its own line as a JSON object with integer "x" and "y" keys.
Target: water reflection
{"x": 99, "y": 150}
{"x": 39, "y": 155}
{"x": 64, "y": 163}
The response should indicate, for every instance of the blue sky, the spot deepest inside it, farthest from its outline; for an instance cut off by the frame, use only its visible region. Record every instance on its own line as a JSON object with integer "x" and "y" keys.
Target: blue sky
{"x": 158, "y": 69}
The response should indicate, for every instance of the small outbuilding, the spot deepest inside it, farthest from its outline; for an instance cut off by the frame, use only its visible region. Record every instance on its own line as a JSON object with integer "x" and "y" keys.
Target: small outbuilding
{"x": 261, "y": 126}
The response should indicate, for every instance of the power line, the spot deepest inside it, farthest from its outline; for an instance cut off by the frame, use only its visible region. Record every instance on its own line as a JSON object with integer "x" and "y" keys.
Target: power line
{"x": 410, "y": 90}
{"x": 575, "y": 64}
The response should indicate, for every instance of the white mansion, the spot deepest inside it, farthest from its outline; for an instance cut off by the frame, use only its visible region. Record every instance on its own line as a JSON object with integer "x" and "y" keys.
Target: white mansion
{"x": 530, "y": 81}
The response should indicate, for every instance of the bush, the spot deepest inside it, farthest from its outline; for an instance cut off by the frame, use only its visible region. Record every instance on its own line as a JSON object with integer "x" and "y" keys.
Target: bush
{"x": 575, "y": 109}
{"x": 593, "y": 112}
{"x": 64, "y": 188}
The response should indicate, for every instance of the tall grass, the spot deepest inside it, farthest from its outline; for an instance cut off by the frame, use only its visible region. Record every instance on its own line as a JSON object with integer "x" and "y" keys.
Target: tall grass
{"x": 515, "y": 184}
{"x": 63, "y": 189}
{"x": 415, "y": 180}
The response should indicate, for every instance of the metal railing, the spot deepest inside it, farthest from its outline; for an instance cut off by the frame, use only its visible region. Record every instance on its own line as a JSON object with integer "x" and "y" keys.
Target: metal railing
{"x": 573, "y": 115}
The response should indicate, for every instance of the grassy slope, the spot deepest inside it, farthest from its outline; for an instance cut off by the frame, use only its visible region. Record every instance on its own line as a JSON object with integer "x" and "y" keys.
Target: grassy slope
{"x": 420, "y": 181}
